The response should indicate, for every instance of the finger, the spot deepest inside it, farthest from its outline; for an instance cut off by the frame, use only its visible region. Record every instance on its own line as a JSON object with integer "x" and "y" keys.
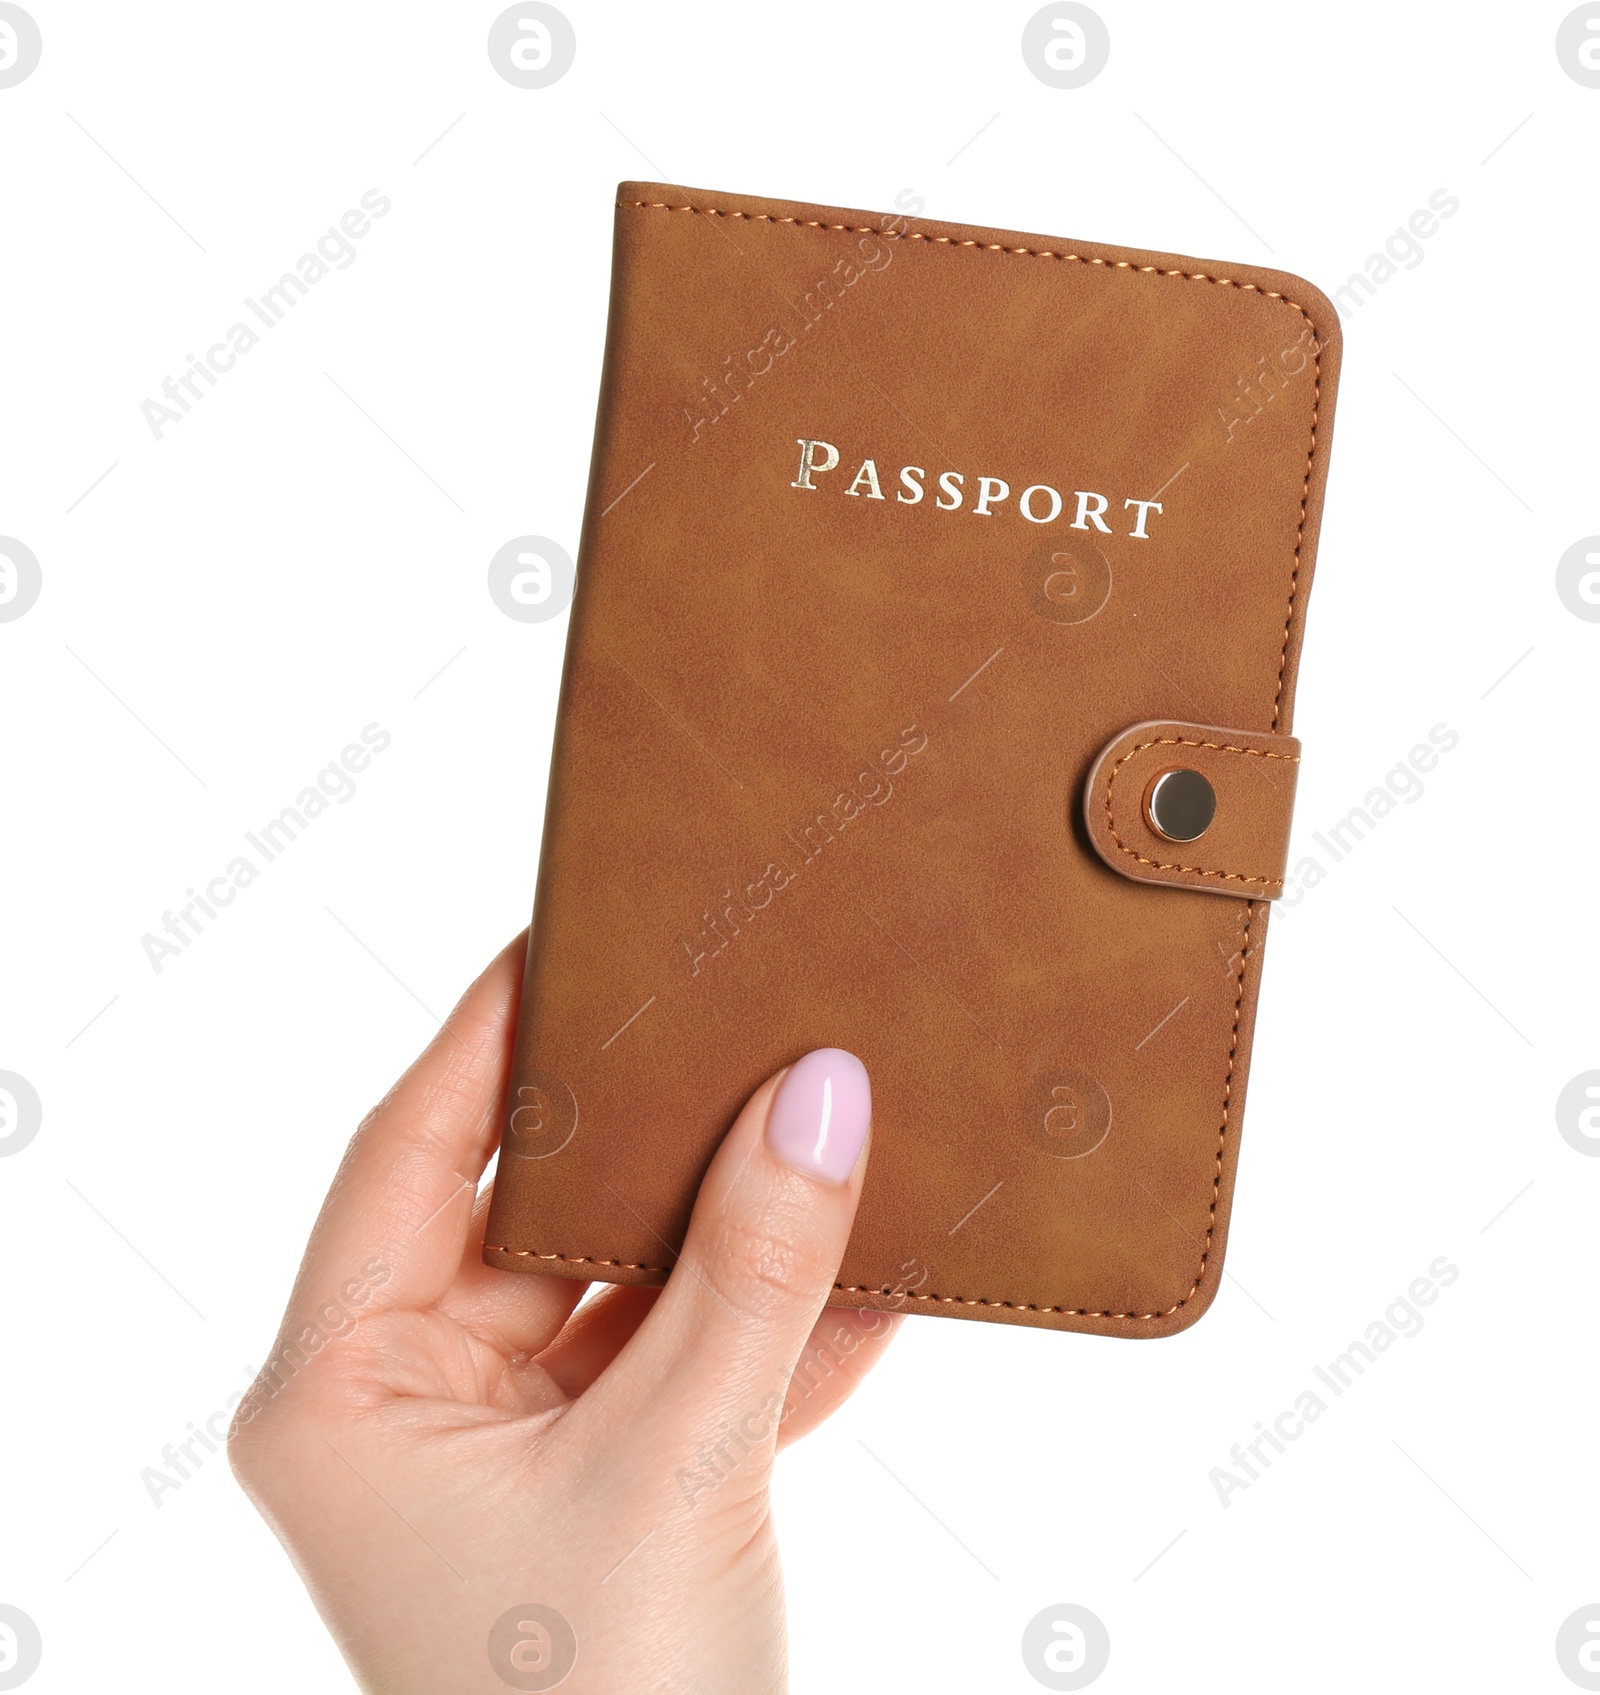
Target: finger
{"x": 768, "y": 1231}
{"x": 844, "y": 1346}
{"x": 402, "y": 1197}
{"x": 596, "y": 1336}
{"x": 518, "y": 1315}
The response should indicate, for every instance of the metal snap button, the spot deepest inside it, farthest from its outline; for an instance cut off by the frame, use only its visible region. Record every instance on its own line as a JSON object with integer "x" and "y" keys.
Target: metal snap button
{"x": 1180, "y": 805}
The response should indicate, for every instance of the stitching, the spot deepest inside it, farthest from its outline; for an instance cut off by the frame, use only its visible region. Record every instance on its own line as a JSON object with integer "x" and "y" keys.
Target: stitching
{"x": 1216, "y": 747}
{"x": 982, "y": 246}
{"x": 574, "y": 1259}
{"x": 1277, "y": 699}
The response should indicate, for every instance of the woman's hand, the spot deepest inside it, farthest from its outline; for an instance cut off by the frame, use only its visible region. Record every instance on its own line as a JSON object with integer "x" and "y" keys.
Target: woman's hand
{"x": 483, "y": 1492}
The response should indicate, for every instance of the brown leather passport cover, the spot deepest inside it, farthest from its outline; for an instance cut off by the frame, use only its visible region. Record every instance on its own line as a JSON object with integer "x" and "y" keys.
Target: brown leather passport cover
{"x": 914, "y": 555}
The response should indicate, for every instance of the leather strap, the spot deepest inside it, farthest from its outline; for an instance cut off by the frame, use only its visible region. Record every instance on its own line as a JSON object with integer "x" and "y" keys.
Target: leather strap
{"x": 1244, "y": 850}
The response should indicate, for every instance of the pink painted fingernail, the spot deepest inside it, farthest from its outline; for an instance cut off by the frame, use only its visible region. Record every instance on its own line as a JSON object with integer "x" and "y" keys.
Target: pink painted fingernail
{"x": 820, "y": 1114}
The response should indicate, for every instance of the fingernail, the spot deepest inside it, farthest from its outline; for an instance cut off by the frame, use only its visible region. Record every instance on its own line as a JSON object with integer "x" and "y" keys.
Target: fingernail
{"x": 820, "y": 1114}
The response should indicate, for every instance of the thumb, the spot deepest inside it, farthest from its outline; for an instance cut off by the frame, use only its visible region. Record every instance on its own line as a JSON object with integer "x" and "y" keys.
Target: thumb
{"x": 768, "y": 1231}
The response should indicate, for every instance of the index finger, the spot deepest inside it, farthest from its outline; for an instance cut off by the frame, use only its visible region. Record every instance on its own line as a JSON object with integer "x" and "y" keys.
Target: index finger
{"x": 396, "y": 1215}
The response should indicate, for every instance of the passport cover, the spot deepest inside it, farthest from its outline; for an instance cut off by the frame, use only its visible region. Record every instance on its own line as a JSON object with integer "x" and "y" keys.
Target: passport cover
{"x": 913, "y": 555}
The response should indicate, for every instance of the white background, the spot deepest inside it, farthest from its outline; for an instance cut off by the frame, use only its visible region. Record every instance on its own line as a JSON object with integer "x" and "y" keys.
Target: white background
{"x": 229, "y": 605}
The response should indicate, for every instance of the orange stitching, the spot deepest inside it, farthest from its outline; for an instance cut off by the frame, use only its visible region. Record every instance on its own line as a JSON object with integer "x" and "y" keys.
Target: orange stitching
{"x": 574, "y": 1259}
{"x": 1277, "y": 699}
{"x": 983, "y": 246}
{"x": 867, "y": 1288}
{"x": 1300, "y": 524}
{"x": 1161, "y": 864}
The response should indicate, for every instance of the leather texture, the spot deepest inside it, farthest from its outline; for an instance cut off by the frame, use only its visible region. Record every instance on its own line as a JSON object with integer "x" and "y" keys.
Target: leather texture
{"x": 902, "y": 540}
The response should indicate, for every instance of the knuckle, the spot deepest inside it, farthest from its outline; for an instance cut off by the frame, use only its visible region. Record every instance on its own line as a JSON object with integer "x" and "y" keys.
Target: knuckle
{"x": 250, "y": 1440}
{"x": 765, "y": 1268}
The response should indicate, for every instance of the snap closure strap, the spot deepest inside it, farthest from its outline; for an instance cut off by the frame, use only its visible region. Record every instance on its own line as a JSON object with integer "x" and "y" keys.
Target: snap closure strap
{"x": 1242, "y": 851}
